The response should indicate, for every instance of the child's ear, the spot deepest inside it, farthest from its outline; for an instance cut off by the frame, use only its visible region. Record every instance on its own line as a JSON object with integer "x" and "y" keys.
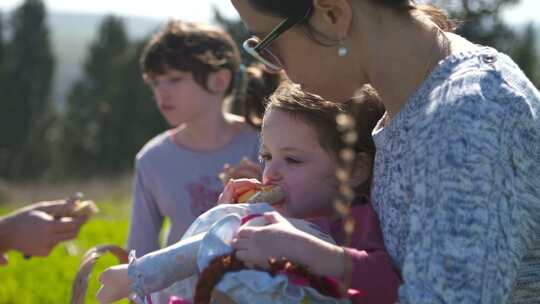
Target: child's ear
{"x": 219, "y": 81}
{"x": 363, "y": 165}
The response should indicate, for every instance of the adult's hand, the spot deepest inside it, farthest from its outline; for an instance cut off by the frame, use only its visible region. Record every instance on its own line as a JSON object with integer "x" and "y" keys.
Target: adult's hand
{"x": 38, "y": 228}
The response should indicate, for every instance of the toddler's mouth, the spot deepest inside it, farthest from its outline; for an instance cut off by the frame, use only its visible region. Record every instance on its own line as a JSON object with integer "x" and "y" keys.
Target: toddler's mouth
{"x": 271, "y": 194}
{"x": 282, "y": 207}
{"x": 280, "y": 202}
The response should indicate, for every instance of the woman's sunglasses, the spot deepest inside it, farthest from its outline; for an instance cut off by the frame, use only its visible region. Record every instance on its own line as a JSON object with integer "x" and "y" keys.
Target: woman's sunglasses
{"x": 259, "y": 48}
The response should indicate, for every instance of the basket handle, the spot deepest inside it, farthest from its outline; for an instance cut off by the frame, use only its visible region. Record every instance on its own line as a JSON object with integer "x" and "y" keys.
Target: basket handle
{"x": 80, "y": 284}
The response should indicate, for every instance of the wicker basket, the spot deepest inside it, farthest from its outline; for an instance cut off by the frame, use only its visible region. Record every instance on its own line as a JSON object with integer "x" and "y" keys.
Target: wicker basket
{"x": 80, "y": 284}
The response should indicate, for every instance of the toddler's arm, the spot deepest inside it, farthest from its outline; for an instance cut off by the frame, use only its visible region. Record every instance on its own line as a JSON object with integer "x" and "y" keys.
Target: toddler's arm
{"x": 369, "y": 268}
{"x": 114, "y": 284}
{"x": 365, "y": 264}
{"x": 152, "y": 272}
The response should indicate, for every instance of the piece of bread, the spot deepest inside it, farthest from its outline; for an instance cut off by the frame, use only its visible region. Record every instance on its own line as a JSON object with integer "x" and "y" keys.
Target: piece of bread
{"x": 83, "y": 208}
{"x": 246, "y": 196}
{"x": 268, "y": 194}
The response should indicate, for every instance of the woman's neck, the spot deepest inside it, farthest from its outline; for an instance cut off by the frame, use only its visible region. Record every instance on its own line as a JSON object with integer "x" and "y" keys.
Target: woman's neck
{"x": 400, "y": 62}
{"x": 208, "y": 133}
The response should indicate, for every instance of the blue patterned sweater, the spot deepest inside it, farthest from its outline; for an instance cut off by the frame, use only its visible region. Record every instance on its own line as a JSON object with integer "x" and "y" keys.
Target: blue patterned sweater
{"x": 457, "y": 184}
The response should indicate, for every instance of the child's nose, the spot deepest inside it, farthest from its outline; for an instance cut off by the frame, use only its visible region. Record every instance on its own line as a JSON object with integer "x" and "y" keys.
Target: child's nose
{"x": 162, "y": 92}
{"x": 271, "y": 173}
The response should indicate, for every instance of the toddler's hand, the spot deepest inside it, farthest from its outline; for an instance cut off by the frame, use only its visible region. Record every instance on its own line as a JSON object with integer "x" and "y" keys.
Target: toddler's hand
{"x": 236, "y": 189}
{"x": 256, "y": 245}
{"x": 245, "y": 169}
{"x": 114, "y": 284}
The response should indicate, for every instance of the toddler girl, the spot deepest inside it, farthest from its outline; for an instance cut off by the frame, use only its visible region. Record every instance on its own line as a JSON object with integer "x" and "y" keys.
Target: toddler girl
{"x": 300, "y": 146}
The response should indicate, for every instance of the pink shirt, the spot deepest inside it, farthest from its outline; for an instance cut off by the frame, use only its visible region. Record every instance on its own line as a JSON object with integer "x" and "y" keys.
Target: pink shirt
{"x": 372, "y": 271}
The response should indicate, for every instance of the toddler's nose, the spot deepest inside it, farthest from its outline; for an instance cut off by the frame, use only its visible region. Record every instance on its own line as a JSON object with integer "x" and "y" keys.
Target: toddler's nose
{"x": 271, "y": 174}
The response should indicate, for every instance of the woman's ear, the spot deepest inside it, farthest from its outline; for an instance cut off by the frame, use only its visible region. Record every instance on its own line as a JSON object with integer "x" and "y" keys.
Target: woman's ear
{"x": 363, "y": 165}
{"x": 332, "y": 18}
{"x": 218, "y": 82}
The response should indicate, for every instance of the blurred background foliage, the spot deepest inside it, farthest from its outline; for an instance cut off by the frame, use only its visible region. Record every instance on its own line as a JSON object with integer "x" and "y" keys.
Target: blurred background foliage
{"x": 107, "y": 113}
{"x": 49, "y": 280}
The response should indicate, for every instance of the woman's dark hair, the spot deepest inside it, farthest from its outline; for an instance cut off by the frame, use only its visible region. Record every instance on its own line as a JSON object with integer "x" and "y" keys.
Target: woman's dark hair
{"x": 191, "y": 47}
{"x": 288, "y": 8}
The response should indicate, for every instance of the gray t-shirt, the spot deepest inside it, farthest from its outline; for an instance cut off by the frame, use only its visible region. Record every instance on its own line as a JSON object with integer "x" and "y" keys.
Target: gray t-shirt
{"x": 180, "y": 184}
{"x": 457, "y": 184}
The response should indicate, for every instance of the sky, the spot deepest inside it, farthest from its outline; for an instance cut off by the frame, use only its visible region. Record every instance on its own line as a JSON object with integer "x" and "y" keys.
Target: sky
{"x": 194, "y": 10}
{"x": 200, "y": 10}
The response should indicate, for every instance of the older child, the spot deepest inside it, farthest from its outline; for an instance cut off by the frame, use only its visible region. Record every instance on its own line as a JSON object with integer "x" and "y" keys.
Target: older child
{"x": 300, "y": 148}
{"x": 191, "y": 68}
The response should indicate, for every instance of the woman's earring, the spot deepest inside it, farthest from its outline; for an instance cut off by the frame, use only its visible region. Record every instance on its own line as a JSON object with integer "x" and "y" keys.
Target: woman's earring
{"x": 342, "y": 51}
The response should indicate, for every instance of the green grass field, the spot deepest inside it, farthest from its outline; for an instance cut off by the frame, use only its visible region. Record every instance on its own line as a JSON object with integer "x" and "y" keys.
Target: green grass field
{"x": 49, "y": 280}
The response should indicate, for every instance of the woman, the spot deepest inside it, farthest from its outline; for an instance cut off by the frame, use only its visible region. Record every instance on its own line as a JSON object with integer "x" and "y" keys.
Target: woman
{"x": 456, "y": 182}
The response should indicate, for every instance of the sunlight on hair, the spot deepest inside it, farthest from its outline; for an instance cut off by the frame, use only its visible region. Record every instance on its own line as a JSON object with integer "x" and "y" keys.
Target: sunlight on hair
{"x": 346, "y": 126}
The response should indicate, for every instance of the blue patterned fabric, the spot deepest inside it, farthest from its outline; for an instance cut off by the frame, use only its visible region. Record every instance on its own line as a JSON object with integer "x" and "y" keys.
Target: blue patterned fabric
{"x": 457, "y": 184}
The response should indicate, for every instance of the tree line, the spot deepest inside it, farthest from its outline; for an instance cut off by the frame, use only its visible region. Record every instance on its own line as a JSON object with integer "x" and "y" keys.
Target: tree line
{"x": 110, "y": 112}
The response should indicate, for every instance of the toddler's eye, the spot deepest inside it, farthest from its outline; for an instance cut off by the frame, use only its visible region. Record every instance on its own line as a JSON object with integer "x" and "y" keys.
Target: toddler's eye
{"x": 292, "y": 160}
{"x": 264, "y": 157}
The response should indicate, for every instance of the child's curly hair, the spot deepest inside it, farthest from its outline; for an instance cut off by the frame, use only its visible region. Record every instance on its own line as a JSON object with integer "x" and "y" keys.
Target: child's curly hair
{"x": 192, "y": 47}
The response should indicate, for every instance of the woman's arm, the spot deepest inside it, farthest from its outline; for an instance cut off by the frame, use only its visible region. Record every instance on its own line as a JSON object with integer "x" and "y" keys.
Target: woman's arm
{"x": 475, "y": 211}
